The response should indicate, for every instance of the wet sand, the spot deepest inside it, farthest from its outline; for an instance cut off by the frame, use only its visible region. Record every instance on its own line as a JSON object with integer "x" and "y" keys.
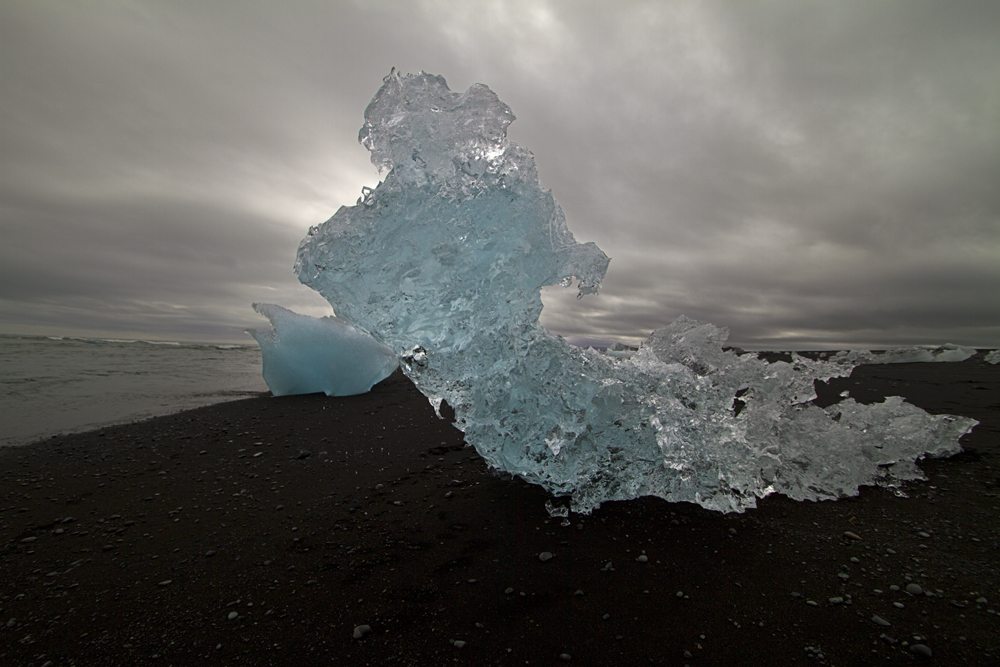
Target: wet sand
{"x": 264, "y": 531}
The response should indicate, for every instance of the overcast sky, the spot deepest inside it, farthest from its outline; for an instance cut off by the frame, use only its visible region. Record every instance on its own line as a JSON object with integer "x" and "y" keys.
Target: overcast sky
{"x": 809, "y": 174}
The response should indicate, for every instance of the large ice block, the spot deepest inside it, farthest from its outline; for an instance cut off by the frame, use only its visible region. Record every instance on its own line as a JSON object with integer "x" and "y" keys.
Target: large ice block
{"x": 444, "y": 262}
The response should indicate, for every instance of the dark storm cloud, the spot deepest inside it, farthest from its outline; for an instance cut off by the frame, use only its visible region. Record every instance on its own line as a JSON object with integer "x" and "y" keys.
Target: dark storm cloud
{"x": 806, "y": 173}
{"x": 838, "y": 186}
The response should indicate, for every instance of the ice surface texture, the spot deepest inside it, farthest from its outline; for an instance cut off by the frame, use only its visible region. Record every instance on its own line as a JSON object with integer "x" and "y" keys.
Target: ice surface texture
{"x": 444, "y": 262}
{"x": 306, "y": 355}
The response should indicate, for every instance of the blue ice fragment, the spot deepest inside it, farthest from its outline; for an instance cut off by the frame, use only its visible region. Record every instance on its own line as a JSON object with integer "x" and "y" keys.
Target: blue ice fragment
{"x": 308, "y": 355}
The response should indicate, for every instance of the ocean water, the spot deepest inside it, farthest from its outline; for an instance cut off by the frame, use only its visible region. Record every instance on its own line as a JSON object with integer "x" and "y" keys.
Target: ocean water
{"x": 51, "y": 385}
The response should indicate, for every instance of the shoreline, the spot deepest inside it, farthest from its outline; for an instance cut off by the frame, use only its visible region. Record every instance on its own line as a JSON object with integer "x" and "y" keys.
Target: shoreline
{"x": 69, "y": 386}
{"x": 17, "y": 442}
{"x": 168, "y": 526}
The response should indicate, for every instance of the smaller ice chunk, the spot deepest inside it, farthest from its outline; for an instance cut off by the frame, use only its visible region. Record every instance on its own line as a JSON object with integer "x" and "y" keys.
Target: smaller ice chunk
{"x": 993, "y": 357}
{"x": 308, "y": 355}
{"x": 556, "y": 511}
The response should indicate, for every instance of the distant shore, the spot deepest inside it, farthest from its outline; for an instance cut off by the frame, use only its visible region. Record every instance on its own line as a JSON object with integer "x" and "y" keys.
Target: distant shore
{"x": 267, "y": 531}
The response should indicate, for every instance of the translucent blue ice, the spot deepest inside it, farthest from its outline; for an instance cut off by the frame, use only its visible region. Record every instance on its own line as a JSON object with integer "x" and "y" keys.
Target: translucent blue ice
{"x": 306, "y": 355}
{"x": 444, "y": 262}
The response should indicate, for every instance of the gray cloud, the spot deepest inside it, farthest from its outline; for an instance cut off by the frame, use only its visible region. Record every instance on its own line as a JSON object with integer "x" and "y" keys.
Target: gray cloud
{"x": 809, "y": 174}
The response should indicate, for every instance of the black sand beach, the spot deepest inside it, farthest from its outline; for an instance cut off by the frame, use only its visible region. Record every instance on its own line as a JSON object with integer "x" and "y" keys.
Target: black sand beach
{"x": 264, "y": 531}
